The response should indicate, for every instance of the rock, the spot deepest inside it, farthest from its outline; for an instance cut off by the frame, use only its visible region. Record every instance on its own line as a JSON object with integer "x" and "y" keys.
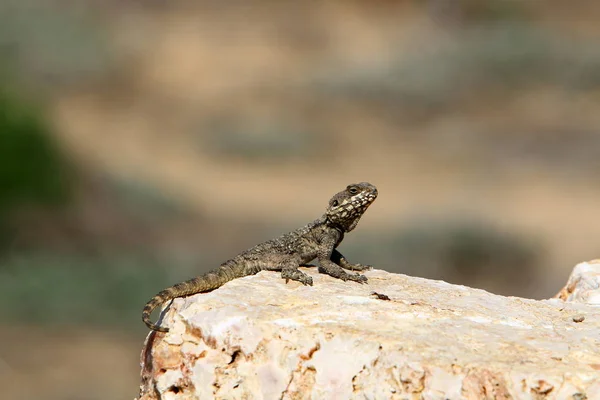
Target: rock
{"x": 583, "y": 285}
{"x": 398, "y": 337}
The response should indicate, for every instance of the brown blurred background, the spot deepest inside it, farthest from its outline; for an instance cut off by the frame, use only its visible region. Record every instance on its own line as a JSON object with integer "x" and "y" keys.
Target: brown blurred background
{"x": 145, "y": 142}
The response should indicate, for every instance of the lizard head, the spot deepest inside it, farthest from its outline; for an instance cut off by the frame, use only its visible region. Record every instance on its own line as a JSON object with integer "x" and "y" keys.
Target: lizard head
{"x": 346, "y": 207}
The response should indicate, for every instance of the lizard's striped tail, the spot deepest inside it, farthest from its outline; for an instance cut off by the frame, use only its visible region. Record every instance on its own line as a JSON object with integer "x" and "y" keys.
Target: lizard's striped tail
{"x": 157, "y": 300}
{"x": 209, "y": 281}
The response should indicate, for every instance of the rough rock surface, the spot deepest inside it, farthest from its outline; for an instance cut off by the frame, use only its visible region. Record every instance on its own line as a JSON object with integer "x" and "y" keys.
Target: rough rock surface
{"x": 583, "y": 285}
{"x": 260, "y": 338}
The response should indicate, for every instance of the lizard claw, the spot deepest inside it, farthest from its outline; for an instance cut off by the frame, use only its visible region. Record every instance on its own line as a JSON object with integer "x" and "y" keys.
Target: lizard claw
{"x": 356, "y": 278}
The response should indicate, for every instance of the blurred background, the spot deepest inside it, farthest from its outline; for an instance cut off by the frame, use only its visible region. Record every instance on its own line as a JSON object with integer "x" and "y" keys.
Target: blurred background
{"x": 145, "y": 142}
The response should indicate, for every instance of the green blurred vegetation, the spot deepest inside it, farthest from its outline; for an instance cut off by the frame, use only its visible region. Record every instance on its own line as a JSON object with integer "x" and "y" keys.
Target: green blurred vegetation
{"x": 43, "y": 286}
{"x": 33, "y": 171}
{"x": 32, "y": 168}
{"x": 77, "y": 290}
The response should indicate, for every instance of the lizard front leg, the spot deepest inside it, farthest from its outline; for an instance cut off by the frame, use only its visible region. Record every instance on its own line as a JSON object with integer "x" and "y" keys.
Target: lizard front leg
{"x": 327, "y": 266}
{"x": 340, "y": 260}
{"x": 289, "y": 271}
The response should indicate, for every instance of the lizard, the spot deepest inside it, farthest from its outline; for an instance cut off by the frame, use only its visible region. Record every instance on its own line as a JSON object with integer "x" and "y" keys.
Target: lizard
{"x": 317, "y": 240}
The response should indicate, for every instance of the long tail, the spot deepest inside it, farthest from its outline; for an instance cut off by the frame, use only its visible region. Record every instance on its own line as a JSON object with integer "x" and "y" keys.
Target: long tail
{"x": 207, "y": 282}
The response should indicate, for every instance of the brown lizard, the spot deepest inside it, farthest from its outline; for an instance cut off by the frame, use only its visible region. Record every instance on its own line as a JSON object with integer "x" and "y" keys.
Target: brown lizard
{"x": 317, "y": 240}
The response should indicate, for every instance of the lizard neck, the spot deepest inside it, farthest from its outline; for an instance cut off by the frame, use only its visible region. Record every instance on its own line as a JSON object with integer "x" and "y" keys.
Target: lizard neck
{"x": 342, "y": 228}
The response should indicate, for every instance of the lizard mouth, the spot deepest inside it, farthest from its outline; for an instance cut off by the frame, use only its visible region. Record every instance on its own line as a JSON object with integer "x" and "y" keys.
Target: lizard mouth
{"x": 370, "y": 191}
{"x": 370, "y": 197}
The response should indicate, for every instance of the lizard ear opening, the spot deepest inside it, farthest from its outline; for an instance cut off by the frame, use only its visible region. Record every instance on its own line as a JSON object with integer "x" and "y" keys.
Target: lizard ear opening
{"x": 334, "y": 203}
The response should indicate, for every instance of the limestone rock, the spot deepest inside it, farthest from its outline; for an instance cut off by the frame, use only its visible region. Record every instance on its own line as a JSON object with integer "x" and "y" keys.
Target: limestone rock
{"x": 397, "y": 337}
{"x": 583, "y": 285}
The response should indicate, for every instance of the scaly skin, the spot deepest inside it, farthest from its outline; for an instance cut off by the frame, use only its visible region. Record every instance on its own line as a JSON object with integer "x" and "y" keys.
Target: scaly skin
{"x": 317, "y": 240}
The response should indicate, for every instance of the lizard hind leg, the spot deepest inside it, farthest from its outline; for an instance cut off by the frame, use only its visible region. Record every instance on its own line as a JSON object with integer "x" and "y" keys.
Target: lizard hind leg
{"x": 340, "y": 260}
{"x": 334, "y": 270}
{"x": 357, "y": 267}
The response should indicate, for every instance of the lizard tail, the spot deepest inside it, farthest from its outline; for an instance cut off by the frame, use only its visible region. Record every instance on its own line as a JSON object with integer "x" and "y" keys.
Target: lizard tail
{"x": 209, "y": 281}
{"x": 157, "y": 300}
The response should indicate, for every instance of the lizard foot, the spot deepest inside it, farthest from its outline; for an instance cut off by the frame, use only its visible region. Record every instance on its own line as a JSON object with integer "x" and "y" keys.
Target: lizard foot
{"x": 295, "y": 275}
{"x": 337, "y": 272}
{"x": 356, "y": 278}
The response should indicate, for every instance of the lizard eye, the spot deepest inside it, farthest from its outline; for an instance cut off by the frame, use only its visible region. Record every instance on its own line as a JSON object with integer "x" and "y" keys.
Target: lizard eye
{"x": 353, "y": 190}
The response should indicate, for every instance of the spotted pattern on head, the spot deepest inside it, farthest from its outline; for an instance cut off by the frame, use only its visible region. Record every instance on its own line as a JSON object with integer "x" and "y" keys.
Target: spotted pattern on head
{"x": 346, "y": 207}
